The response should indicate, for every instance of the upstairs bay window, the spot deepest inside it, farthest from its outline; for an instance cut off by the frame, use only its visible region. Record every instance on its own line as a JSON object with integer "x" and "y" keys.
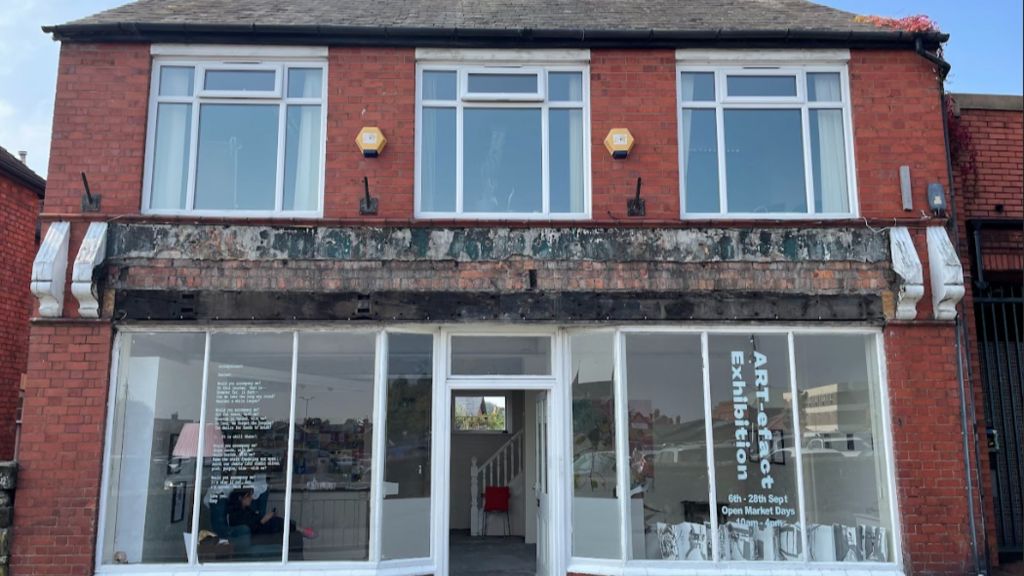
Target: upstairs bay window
{"x": 236, "y": 138}
{"x": 502, "y": 142}
{"x": 765, "y": 141}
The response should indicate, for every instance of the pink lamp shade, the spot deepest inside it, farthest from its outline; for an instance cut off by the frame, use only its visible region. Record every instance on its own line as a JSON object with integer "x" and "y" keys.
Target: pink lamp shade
{"x": 188, "y": 440}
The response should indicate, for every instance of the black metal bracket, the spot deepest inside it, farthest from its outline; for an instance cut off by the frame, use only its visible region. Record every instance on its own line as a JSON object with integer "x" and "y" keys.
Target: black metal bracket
{"x": 636, "y": 206}
{"x": 367, "y": 204}
{"x": 90, "y": 202}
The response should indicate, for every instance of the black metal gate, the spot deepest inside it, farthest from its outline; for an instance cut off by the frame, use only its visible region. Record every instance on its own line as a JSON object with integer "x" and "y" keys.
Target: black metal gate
{"x": 999, "y": 313}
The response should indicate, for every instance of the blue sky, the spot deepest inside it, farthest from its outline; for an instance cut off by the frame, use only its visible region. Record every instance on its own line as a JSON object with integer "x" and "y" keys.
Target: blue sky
{"x": 985, "y": 50}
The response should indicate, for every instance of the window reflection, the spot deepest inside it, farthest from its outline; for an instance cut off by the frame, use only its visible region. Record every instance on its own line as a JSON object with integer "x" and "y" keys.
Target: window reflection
{"x": 334, "y": 444}
{"x": 669, "y": 487}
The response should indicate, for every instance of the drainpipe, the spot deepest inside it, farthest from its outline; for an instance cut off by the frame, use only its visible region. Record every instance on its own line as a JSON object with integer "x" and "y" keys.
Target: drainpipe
{"x": 980, "y": 560}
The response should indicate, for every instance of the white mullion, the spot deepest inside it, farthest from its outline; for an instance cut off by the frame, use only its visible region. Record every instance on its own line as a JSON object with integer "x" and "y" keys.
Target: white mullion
{"x": 193, "y": 151}
{"x": 622, "y": 447}
{"x": 459, "y": 109}
{"x": 291, "y": 449}
{"x": 440, "y": 455}
{"x": 379, "y": 450}
{"x": 798, "y": 448}
{"x": 805, "y": 130}
{"x": 710, "y": 446}
{"x": 723, "y": 196}
{"x": 193, "y": 545}
{"x": 545, "y": 149}
{"x": 282, "y": 126}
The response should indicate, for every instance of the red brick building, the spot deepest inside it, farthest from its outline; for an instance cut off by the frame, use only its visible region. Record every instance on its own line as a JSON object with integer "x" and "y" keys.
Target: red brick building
{"x": 686, "y": 250}
{"x": 988, "y": 144}
{"x": 21, "y": 193}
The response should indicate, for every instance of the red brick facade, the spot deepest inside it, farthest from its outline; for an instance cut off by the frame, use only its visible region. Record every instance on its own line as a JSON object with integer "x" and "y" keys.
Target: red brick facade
{"x": 19, "y": 213}
{"x": 897, "y": 121}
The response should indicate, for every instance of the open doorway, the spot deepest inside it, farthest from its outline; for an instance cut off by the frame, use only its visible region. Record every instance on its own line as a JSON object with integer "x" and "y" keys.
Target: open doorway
{"x": 498, "y": 482}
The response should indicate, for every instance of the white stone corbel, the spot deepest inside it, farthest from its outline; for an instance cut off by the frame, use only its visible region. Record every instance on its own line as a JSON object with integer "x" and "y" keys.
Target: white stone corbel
{"x": 50, "y": 268}
{"x": 946, "y": 272}
{"x": 90, "y": 255}
{"x": 907, "y": 265}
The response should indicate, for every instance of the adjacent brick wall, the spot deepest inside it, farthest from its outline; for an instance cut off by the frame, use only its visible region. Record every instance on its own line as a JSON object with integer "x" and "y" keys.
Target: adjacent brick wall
{"x": 19, "y": 211}
{"x": 62, "y": 448}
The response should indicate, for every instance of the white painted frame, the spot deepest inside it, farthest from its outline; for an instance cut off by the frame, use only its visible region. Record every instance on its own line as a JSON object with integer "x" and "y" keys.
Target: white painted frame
{"x": 767, "y": 64}
{"x": 626, "y": 566}
{"x": 557, "y": 385}
{"x": 206, "y": 59}
{"x": 463, "y": 101}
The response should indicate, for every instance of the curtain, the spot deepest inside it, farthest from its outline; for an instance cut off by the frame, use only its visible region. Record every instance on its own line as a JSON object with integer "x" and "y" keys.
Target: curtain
{"x": 306, "y": 120}
{"x": 831, "y": 153}
{"x": 170, "y": 157}
{"x": 576, "y": 147}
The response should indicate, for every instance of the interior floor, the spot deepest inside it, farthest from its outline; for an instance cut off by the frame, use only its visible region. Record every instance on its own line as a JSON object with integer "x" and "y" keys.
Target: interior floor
{"x": 490, "y": 555}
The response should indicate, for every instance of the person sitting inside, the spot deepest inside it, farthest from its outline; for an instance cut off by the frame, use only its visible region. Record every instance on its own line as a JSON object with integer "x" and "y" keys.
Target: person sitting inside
{"x": 263, "y": 528}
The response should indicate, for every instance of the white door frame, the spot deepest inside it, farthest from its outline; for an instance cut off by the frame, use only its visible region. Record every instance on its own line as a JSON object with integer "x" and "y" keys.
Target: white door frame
{"x": 445, "y": 387}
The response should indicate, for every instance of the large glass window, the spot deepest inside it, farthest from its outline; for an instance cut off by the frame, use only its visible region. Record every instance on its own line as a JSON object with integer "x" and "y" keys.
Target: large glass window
{"x": 595, "y": 512}
{"x": 501, "y": 142}
{"x": 764, "y": 141}
{"x": 236, "y": 138}
{"x": 668, "y": 459}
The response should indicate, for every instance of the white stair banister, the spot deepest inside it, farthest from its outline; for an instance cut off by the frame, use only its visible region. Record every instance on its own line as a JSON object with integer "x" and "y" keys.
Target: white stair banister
{"x": 501, "y": 469}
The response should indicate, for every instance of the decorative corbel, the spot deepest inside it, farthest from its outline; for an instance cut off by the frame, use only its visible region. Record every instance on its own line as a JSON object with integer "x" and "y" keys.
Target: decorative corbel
{"x": 90, "y": 255}
{"x": 907, "y": 266}
{"x": 946, "y": 272}
{"x": 49, "y": 270}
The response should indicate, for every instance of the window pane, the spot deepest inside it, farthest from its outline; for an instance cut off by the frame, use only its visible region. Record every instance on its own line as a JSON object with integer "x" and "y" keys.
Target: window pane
{"x": 170, "y": 156}
{"x": 480, "y": 414}
{"x": 823, "y": 87}
{"x": 764, "y": 161}
{"x": 595, "y": 510}
{"x": 302, "y": 158}
{"x": 565, "y": 86}
{"x": 176, "y": 80}
{"x": 501, "y": 355}
{"x": 502, "y": 83}
{"x": 700, "y": 161}
{"x": 406, "y": 511}
{"x": 439, "y": 85}
{"x": 305, "y": 83}
{"x": 240, "y": 80}
{"x": 848, "y": 506}
{"x": 565, "y": 162}
{"x": 237, "y": 165}
{"x": 828, "y": 161}
{"x": 771, "y": 86}
{"x": 670, "y": 517}
{"x": 153, "y": 448}
{"x": 244, "y": 479}
{"x": 752, "y": 425}
{"x": 437, "y": 162}
{"x": 334, "y": 444}
{"x": 502, "y": 160}
{"x": 698, "y": 86}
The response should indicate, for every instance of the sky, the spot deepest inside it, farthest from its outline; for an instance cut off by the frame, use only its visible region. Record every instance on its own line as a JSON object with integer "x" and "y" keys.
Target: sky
{"x": 985, "y": 49}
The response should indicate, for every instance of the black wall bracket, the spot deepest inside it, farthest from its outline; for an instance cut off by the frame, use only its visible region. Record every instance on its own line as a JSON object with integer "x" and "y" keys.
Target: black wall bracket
{"x": 636, "y": 206}
{"x": 90, "y": 201}
{"x": 367, "y": 204}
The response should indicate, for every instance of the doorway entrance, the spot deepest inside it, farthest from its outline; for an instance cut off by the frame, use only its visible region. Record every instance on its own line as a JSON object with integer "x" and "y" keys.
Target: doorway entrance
{"x": 499, "y": 488}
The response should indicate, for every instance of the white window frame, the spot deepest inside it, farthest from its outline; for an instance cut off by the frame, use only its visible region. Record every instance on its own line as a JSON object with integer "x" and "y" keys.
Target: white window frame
{"x": 799, "y": 63}
{"x": 465, "y": 99}
{"x": 202, "y": 60}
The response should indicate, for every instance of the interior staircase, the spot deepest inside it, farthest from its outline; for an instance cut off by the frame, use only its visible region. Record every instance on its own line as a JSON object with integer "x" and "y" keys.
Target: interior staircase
{"x": 504, "y": 468}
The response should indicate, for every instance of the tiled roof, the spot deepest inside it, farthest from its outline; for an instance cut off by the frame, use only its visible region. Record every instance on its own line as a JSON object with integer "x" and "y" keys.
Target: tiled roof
{"x": 700, "y": 18}
{"x": 17, "y": 170}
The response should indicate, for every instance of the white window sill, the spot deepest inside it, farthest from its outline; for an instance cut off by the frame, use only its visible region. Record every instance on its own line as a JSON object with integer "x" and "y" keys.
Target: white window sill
{"x": 655, "y": 568}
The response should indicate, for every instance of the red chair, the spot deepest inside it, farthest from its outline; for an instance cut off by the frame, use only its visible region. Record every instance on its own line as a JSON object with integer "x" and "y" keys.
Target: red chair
{"x": 496, "y": 501}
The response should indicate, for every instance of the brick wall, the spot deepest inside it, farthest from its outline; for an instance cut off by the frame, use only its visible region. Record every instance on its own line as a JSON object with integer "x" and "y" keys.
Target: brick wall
{"x": 101, "y": 131}
{"x": 99, "y": 126}
{"x": 62, "y": 448}
{"x": 993, "y": 141}
{"x": 19, "y": 211}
